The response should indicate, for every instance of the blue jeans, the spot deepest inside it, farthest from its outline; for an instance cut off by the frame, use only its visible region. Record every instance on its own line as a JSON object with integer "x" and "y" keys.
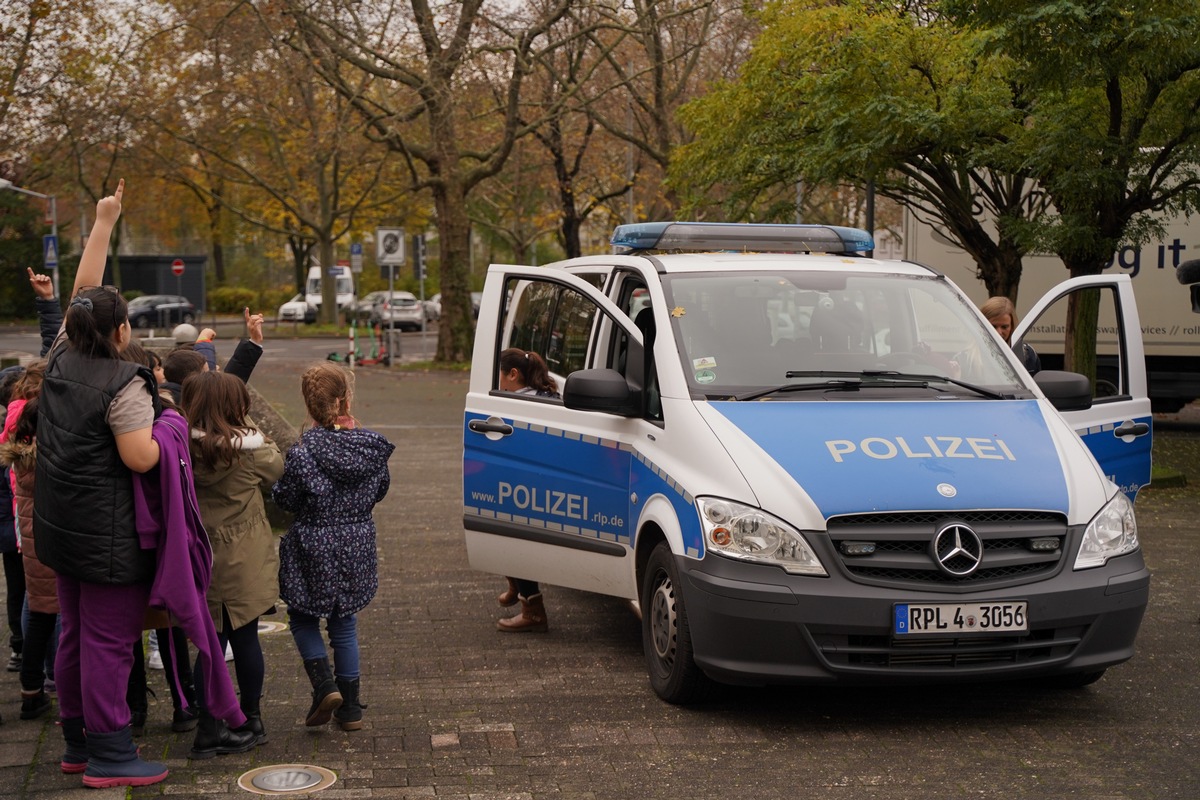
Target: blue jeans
{"x": 343, "y": 638}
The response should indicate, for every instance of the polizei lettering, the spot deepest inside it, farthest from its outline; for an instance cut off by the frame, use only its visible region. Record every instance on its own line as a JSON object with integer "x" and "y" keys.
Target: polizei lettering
{"x": 882, "y": 448}
{"x": 544, "y": 501}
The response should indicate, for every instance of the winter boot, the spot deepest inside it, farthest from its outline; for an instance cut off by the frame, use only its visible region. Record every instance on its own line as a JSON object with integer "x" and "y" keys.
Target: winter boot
{"x": 34, "y": 704}
{"x": 214, "y": 738}
{"x": 349, "y": 714}
{"x": 531, "y": 618}
{"x": 75, "y": 757}
{"x": 509, "y": 596}
{"x": 137, "y": 697}
{"x": 254, "y": 724}
{"x": 326, "y": 697}
{"x": 113, "y": 761}
{"x": 184, "y": 719}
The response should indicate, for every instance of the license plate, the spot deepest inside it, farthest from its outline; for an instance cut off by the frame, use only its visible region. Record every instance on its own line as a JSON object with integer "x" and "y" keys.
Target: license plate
{"x": 929, "y": 619}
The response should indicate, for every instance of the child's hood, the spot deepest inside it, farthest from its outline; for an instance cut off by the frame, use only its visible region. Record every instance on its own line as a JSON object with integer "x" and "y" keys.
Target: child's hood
{"x": 348, "y": 456}
{"x": 247, "y": 441}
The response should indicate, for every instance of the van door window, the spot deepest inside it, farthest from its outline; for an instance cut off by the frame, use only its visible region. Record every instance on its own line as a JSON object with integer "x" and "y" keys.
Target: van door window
{"x": 552, "y": 320}
{"x": 1089, "y": 341}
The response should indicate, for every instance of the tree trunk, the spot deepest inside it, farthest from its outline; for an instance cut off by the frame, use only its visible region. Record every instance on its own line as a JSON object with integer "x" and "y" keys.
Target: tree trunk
{"x": 456, "y": 330}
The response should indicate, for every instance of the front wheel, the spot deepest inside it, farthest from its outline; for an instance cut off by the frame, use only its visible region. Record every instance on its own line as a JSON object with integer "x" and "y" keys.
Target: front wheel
{"x": 666, "y": 637}
{"x": 188, "y": 318}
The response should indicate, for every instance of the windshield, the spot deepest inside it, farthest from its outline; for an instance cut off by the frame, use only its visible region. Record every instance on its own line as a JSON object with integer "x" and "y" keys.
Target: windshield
{"x": 740, "y": 333}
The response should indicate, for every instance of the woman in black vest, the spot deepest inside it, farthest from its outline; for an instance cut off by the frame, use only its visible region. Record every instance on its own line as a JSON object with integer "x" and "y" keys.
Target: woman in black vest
{"x": 94, "y": 430}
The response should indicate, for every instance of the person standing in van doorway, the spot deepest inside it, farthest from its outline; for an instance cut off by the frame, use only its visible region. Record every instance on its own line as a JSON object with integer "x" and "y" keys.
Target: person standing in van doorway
{"x": 1003, "y": 316}
{"x": 524, "y": 373}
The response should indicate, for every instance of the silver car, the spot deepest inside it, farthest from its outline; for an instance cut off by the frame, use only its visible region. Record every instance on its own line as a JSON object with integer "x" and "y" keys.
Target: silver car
{"x": 402, "y": 310}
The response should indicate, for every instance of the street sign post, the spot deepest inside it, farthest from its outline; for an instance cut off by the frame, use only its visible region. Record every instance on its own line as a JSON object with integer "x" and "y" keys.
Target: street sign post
{"x": 177, "y": 270}
{"x": 50, "y": 251}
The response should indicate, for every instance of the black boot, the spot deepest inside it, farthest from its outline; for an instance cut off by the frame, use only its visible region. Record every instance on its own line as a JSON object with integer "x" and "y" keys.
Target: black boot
{"x": 326, "y": 697}
{"x": 214, "y": 738}
{"x": 75, "y": 757}
{"x": 136, "y": 692}
{"x": 34, "y": 704}
{"x": 254, "y": 724}
{"x": 349, "y": 714}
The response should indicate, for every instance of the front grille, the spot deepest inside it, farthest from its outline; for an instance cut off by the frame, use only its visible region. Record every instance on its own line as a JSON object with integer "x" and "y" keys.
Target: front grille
{"x": 902, "y": 553}
{"x": 883, "y": 652}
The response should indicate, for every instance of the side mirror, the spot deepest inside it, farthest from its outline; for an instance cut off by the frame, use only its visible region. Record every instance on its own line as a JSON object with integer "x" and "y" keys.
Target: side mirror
{"x": 1066, "y": 391}
{"x": 603, "y": 390}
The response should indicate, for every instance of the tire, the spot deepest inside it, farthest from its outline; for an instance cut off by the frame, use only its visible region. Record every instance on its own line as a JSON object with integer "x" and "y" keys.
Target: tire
{"x": 142, "y": 322}
{"x": 666, "y": 637}
{"x": 189, "y": 318}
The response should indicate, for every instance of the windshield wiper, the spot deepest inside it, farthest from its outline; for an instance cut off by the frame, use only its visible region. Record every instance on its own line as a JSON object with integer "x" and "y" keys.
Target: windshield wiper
{"x": 906, "y": 376}
{"x": 852, "y": 381}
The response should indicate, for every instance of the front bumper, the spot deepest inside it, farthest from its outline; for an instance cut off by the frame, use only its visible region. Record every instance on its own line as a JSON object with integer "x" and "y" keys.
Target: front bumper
{"x": 755, "y": 624}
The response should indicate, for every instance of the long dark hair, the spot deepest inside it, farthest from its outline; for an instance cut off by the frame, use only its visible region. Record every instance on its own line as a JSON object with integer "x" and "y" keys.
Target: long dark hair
{"x": 92, "y": 317}
{"x": 534, "y": 372}
{"x": 216, "y": 404}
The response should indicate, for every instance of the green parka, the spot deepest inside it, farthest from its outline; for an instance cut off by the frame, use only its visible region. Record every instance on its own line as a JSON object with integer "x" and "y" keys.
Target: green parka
{"x": 245, "y": 577}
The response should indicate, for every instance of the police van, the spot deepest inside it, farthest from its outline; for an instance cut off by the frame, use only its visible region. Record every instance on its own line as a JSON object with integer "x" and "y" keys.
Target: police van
{"x": 807, "y": 465}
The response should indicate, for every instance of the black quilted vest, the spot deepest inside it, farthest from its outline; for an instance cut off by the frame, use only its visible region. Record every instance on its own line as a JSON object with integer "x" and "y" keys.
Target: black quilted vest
{"x": 83, "y": 511}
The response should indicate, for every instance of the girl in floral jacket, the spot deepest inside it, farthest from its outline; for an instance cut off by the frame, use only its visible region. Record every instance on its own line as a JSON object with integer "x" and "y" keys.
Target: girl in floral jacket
{"x": 333, "y": 477}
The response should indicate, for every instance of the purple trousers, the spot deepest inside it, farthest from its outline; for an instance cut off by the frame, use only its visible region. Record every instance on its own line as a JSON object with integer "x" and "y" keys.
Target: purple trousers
{"x": 100, "y": 623}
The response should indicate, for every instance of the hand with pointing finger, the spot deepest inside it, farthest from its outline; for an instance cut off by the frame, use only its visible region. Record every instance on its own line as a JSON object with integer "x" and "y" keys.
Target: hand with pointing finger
{"x": 254, "y": 326}
{"x": 43, "y": 286}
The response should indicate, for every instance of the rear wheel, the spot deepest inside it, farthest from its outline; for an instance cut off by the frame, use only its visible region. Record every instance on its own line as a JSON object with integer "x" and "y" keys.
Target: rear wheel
{"x": 189, "y": 318}
{"x": 142, "y": 322}
{"x": 666, "y": 637}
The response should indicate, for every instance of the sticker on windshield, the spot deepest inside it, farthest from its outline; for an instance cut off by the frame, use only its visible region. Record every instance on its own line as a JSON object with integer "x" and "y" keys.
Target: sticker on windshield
{"x": 704, "y": 362}
{"x": 705, "y": 376}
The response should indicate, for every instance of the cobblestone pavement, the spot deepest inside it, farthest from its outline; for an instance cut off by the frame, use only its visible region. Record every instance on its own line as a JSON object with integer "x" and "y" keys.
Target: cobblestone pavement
{"x": 458, "y": 710}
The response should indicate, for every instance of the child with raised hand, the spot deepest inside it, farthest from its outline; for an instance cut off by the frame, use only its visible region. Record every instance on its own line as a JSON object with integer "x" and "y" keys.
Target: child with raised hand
{"x": 333, "y": 477}
{"x": 232, "y": 462}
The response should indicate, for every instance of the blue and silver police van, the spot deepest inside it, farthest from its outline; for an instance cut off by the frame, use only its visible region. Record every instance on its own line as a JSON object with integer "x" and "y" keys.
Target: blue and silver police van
{"x": 807, "y": 465}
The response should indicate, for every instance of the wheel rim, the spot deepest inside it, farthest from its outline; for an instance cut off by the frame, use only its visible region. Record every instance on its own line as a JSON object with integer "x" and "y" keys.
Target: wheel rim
{"x": 663, "y": 621}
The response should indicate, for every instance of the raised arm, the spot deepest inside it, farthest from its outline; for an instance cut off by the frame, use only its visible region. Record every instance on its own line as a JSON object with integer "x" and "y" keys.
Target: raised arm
{"x": 95, "y": 252}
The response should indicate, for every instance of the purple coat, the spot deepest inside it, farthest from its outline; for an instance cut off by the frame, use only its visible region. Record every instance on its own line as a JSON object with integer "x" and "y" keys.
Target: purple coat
{"x": 168, "y": 519}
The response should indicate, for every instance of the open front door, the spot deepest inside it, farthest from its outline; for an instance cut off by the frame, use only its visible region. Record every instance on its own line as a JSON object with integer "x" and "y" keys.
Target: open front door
{"x": 1118, "y": 427}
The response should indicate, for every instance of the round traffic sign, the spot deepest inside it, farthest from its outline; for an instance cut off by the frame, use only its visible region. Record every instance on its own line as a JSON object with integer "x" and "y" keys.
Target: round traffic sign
{"x": 177, "y": 266}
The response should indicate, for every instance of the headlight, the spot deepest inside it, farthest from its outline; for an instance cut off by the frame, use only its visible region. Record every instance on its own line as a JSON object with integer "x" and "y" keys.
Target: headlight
{"x": 1112, "y": 532}
{"x": 739, "y": 531}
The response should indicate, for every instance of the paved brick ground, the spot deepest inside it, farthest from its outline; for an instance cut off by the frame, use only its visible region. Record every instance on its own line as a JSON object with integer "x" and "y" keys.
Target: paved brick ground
{"x": 460, "y": 711}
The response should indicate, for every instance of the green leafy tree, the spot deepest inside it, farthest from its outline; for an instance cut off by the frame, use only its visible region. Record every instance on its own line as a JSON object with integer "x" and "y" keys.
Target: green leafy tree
{"x": 1111, "y": 91}
{"x": 861, "y": 92}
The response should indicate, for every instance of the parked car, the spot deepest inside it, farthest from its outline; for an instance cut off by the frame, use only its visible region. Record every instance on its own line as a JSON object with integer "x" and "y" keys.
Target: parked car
{"x": 297, "y": 310}
{"x": 160, "y": 310}
{"x": 364, "y": 309}
{"x": 433, "y": 308}
{"x": 402, "y": 310}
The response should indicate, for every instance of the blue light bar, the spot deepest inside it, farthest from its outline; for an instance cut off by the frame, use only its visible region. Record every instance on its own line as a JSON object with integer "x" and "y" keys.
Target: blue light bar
{"x": 739, "y": 237}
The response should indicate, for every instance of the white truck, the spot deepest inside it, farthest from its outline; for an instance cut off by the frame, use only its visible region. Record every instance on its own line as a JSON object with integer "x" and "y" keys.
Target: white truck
{"x": 345, "y": 286}
{"x": 1170, "y": 328}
